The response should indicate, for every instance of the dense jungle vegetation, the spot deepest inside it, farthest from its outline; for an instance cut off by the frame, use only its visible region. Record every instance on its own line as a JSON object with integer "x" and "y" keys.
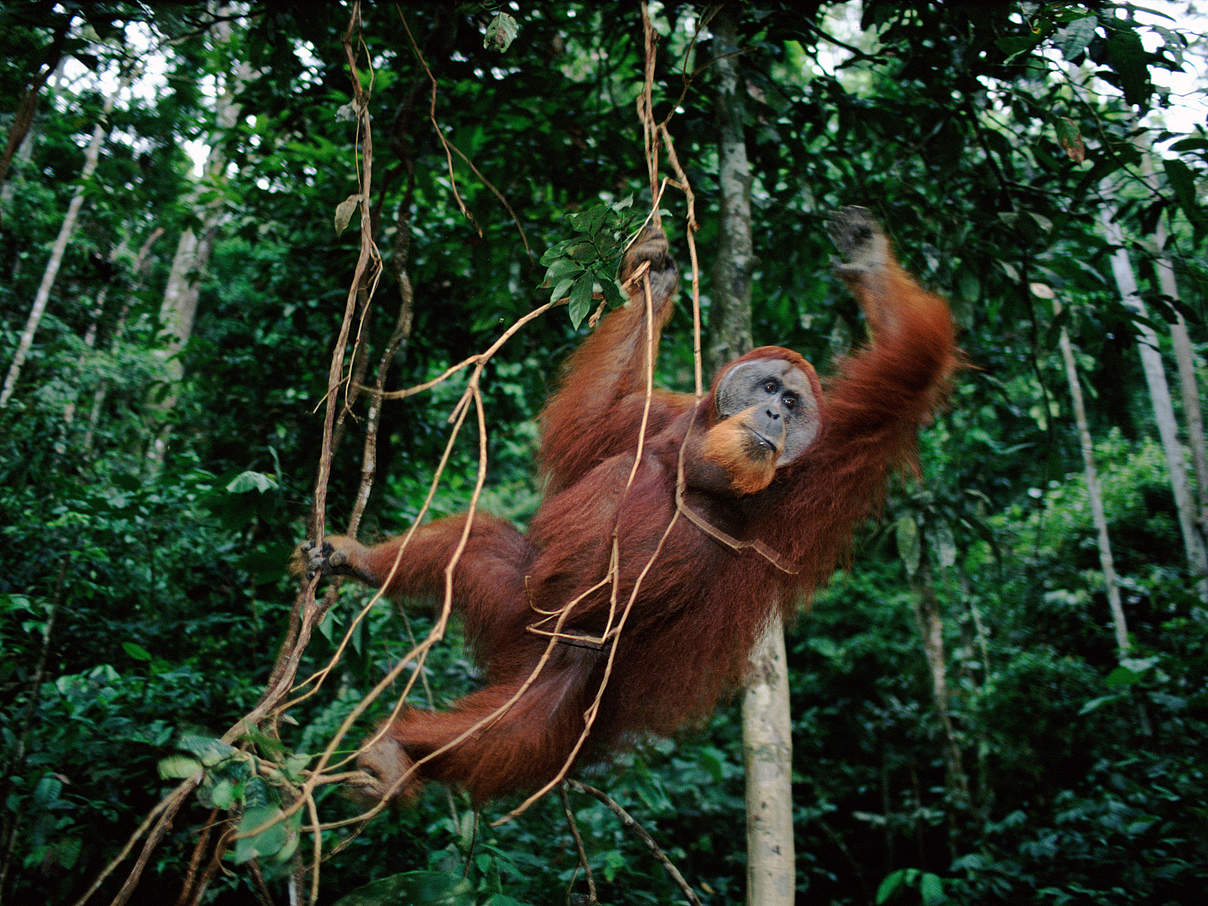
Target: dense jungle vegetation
{"x": 1001, "y": 697}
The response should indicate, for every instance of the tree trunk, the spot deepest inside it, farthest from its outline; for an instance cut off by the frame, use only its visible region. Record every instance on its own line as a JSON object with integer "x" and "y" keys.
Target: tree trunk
{"x": 931, "y": 631}
{"x": 730, "y": 314}
{"x": 767, "y": 755}
{"x": 91, "y": 157}
{"x": 767, "y": 739}
{"x": 1163, "y": 408}
{"x": 1106, "y": 561}
{"x": 1185, "y": 359}
{"x": 178, "y": 312}
{"x": 1189, "y": 389}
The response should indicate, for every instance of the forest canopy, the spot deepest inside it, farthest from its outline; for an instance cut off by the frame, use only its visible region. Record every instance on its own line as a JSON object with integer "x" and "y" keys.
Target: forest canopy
{"x": 275, "y": 270}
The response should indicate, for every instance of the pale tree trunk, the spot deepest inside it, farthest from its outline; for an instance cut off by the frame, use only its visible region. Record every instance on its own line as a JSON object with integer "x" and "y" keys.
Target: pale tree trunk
{"x": 91, "y": 157}
{"x": 1163, "y": 408}
{"x": 767, "y": 749}
{"x": 1185, "y": 360}
{"x": 766, "y": 724}
{"x": 931, "y": 631}
{"x": 1098, "y": 516}
{"x": 1188, "y": 370}
{"x": 178, "y": 312}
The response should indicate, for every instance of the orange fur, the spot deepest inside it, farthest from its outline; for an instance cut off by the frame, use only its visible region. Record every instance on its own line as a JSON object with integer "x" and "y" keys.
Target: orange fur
{"x": 698, "y": 606}
{"x": 726, "y": 444}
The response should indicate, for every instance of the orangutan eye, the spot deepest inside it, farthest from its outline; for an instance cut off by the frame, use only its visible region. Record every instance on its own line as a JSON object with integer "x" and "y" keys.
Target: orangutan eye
{"x": 790, "y": 401}
{"x": 771, "y": 385}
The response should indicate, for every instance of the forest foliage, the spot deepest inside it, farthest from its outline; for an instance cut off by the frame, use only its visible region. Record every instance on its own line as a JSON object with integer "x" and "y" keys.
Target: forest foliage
{"x": 966, "y": 728}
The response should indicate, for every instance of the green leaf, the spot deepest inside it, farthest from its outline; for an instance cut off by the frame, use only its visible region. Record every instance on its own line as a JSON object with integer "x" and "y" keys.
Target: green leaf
{"x": 931, "y": 887}
{"x": 561, "y": 268}
{"x": 294, "y": 765}
{"x": 613, "y": 292}
{"x": 47, "y": 791}
{"x": 1182, "y": 181}
{"x": 614, "y": 861}
{"x": 1130, "y": 671}
{"x": 500, "y": 32}
{"x": 713, "y": 761}
{"x": 1015, "y": 46}
{"x": 587, "y": 221}
{"x": 222, "y": 794}
{"x": 327, "y": 627}
{"x": 420, "y": 888}
{"x": 556, "y": 251}
{"x": 269, "y": 841}
{"x": 583, "y": 251}
{"x": 890, "y": 885}
{"x": 1126, "y": 56}
{"x": 268, "y": 745}
{"x": 1072, "y": 40}
{"x": 136, "y": 651}
{"x": 207, "y": 749}
{"x": 561, "y": 289}
{"x": 292, "y": 839}
{"x": 178, "y": 767}
{"x": 248, "y": 481}
{"x": 1096, "y": 703}
{"x": 67, "y": 852}
{"x": 256, "y": 792}
{"x": 469, "y": 828}
{"x": 1120, "y": 677}
{"x": 580, "y": 298}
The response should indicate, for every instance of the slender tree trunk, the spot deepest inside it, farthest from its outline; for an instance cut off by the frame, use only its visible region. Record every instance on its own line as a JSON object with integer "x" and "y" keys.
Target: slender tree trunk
{"x": 931, "y": 631}
{"x": 1185, "y": 359}
{"x": 730, "y": 316}
{"x": 1163, "y": 408}
{"x": 767, "y": 738}
{"x": 1106, "y": 561}
{"x": 91, "y": 157}
{"x": 767, "y": 750}
{"x": 178, "y": 313}
{"x": 1189, "y": 389}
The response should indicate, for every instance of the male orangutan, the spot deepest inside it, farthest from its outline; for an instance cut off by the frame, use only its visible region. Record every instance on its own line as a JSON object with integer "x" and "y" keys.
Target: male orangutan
{"x": 775, "y": 475}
